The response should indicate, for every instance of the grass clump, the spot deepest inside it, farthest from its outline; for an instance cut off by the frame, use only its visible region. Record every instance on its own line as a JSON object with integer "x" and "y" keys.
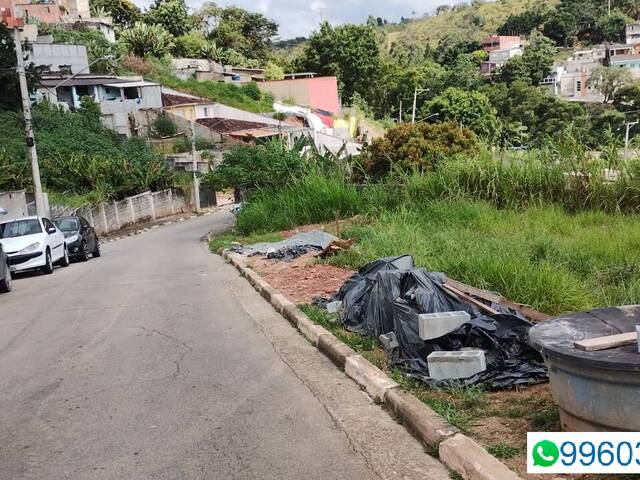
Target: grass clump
{"x": 359, "y": 343}
{"x": 503, "y": 451}
{"x": 223, "y": 241}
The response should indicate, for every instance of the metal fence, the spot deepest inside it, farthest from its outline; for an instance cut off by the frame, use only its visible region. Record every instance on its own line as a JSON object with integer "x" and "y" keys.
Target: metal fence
{"x": 109, "y": 216}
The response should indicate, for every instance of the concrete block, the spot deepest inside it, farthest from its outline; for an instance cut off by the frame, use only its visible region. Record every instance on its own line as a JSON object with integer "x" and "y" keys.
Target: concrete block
{"x": 423, "y": 422}
{"x": 369, "y": 377}
{"x": 461, "y": 454}
{"x": 389, "y": 341}
{"x": 462, "y": 364}
{"x": 436, "y": 325}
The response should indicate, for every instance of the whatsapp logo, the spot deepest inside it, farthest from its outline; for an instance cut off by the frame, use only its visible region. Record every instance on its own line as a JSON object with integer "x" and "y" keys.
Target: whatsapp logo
{"x": 545, "y": 453}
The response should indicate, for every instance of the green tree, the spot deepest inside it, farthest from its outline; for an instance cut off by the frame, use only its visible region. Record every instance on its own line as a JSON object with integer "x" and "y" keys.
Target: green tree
{"x": 193, "y": 45}
{"x": 145, "y": 40}
{"x": 562, "y": 28}
{"x": 350, "y": 52}
{"x": 611, "y": 27}
{"x": 273, "y": 72}
{"x": 627, "y": 96}
{"x": 523, "y": 23}
{"x": 10, "y": 98}
{"x": 608, "y": 80}
{"x": 534, "y": 64}
{"x": 124, "y": 12}
{"x": 397, "y": 83}
{"x": 470, "y": 109}
{"x": 420, "y": 147}
{"x": 248, "y": 33}
{"x": 465, "y": 73}
{"x": 173, "y": 15}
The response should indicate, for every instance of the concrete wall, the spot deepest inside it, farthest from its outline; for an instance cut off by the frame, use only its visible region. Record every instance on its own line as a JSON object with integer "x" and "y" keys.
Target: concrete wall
{"x": 15, "y": 203}
{"x": 109, "y": 216}
{"x": 56, "y": 55}
{"x": 319, "y": 92}
{"x": 45, "y": 12}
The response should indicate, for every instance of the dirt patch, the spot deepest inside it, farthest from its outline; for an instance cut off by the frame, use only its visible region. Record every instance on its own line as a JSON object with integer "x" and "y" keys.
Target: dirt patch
{"x": 302, "y": 279}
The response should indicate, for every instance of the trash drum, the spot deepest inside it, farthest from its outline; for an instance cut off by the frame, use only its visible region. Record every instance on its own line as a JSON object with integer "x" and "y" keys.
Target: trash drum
{"x": 596, "y": 391}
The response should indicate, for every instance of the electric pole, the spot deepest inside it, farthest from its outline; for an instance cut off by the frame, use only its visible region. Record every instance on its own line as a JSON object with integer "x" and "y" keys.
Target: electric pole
{"x": 626, "y": 139}
{"x": 28, "y": 124}
{"x": 196, "y": 182}
{"x": 416, "y": 92}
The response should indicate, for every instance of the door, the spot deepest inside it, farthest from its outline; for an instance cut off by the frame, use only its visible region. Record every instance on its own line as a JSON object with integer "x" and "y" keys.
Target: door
{"x": 56, "y": 240}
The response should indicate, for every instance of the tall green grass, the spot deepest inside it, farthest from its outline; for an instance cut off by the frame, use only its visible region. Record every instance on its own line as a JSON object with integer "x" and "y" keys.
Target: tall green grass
{"x": 541, "y": 256}
{"x": 309, "y": 199}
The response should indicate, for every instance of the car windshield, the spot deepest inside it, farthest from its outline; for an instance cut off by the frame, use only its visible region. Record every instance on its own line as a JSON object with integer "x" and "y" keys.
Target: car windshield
{"x": 67, "y": 224}
{"x": 19, "y": 228}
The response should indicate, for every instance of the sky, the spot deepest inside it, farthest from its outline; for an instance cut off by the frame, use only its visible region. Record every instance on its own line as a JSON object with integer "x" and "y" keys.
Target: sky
{"x": 301, "y": 17}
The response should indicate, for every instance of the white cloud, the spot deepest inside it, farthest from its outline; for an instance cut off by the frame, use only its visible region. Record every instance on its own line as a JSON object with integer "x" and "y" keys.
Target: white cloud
{"x": 301, "y": 17}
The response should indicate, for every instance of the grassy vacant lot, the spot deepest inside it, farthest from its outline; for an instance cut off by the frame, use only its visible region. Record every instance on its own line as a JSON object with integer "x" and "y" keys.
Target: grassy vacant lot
{"x": 541, "y": 256}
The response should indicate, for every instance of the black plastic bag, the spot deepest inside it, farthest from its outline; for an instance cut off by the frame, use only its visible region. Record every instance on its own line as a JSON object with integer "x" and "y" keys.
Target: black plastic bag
{"x": 389, "y": 295}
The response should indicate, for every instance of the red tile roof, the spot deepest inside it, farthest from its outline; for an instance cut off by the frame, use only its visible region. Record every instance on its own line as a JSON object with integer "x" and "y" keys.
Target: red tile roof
{"x": 170, "y": 100}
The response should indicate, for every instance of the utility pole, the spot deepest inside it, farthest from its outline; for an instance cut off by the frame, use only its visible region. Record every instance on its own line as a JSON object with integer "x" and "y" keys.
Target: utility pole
{"x": 196, "y": 182}
{"x": 609, "y": 7}
{"x": 28, "y": 124}
{"x": 400, "y": 114}
{"x": 416, "y": 92}
{"x": 626, "y": 139}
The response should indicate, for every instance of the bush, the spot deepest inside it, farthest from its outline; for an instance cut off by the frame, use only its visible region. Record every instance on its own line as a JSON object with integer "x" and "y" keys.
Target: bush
{"x": 258, "y": 166}
{"x": 251, "y": 90}
{"x": 78, "y": 155}
{"x": 163, "y": 126}
{"x": 416, "y": 147}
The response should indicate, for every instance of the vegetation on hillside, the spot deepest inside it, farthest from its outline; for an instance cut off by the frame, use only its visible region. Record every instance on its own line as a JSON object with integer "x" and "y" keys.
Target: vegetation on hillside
{"x": 79, "y": 156}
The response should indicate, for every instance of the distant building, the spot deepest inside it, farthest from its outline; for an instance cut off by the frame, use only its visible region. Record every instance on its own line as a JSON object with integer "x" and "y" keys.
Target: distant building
{"x": 53, "y": 11}
{"x": 59, "y": 57}
{"x": 570, "y": 79}
{"x": 103, "y": 25}
{"x": 632, "y": 33}
{"x": 119, "y": 98}
{"x": 319, "y": 93}
{"x": 501, "y": 42}
{"x": 497, "y": 58}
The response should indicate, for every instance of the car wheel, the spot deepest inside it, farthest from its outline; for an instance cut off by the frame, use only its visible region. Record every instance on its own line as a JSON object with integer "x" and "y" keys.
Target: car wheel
{"x": 98, "y": 250}
{"x": 64, "y": 261}
{"x": 48, "y": 266}
{"x": 84, "y": 252}
{"x": 6, "y": 284}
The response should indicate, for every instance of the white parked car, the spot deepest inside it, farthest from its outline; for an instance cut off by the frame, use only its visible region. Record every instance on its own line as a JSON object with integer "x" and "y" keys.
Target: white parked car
{"x": 33, "y": 243}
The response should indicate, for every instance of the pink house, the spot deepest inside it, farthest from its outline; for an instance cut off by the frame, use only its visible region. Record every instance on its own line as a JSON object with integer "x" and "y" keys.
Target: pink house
{"x": 320, "y": 93}
{"x": 501, "y": 42}
{"x": 45, "y": 12}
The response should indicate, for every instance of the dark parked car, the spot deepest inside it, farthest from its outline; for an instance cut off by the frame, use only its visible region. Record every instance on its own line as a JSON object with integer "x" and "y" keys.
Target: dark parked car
{"x": 82, "y": 240}
{"x": 5, "y": 273}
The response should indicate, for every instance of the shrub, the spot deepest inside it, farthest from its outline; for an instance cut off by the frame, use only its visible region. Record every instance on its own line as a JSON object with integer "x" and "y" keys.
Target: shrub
{"x": 145, "y": 40}
{"x": 416, "y": 147}
{"x": 251, "y": 90}
{"x": 163, "y": 126}
{"x": 273, "y": 72}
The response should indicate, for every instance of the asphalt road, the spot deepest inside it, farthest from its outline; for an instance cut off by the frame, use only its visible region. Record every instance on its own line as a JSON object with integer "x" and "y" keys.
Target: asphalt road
{"x": 157, "y": 361}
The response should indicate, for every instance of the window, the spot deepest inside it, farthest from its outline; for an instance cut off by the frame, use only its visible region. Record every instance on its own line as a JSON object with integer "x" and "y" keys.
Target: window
{"x": 206, "y": 112}
{"x": 579, "y": 86}
{"x": 67, "y": 224}
{"x": 131, "y": 93}
{"x": 19, "y": 228}
{"x": 48, "y": 224}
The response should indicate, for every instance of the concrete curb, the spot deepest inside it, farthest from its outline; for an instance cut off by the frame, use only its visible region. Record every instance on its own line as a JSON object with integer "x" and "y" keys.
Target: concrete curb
{"x": 455, "y": 450}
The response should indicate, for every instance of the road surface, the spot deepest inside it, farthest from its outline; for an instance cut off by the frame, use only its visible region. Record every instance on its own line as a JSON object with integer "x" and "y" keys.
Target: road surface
{"x": 157, "y": 361}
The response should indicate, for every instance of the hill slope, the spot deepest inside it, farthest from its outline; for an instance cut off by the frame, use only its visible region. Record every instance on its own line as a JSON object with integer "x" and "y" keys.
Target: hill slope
{"x": 470, "y": 21}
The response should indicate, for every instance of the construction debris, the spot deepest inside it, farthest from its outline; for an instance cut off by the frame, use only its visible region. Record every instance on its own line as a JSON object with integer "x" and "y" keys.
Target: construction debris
{"x": 289, "y": 248}
{"x": 436, "y": 325}
{"x": 390, "y": 294}
{"x": 456, "y": 365}
{"x": 605, "y": 343}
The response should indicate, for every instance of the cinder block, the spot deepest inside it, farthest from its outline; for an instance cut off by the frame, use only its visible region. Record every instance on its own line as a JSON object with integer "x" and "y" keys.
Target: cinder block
{"x": 450, "y": 365}
{"x": 436, "y": 325}
{"x": 389, "y": 341}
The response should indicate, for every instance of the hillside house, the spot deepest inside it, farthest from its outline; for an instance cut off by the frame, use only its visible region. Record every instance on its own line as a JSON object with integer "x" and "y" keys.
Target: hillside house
{"x": 59, "y": 57}
{"x": 118, "y": 98}
{"x": 570, "y": 78}
{"x": 501, "y": 42}
{"x": 632, "y": 34}
{"x": 497, "y": 58}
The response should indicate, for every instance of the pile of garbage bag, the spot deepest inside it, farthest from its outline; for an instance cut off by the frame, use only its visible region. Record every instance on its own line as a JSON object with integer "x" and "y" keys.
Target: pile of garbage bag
{"x": 389, "y": 294}
{"x": 289, "y": 248}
